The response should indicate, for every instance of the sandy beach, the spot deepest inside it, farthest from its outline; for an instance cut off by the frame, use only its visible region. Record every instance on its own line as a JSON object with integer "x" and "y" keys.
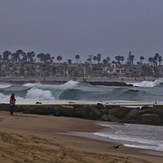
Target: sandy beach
{"x": 39, "y": 139}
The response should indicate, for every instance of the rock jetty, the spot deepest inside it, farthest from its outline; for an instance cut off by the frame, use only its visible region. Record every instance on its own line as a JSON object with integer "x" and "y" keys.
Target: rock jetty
{"x": 152, "y": 115}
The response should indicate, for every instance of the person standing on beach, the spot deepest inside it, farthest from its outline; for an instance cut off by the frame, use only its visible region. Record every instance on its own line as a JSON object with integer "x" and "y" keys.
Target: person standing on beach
{"x": 12, "y": 103}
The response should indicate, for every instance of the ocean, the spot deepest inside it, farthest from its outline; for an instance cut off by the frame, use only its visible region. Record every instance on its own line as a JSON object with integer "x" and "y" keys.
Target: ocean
{"x": 143, "y": 92}
{"x": 131, "y": 135}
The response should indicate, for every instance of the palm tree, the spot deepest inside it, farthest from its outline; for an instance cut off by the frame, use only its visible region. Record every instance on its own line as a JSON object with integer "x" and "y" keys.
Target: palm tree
{"x": 98, "y": 57}
{"x": 150, "y": 60}
{"x": 118, "y": 58}
{"x": 6, "y": 55}
{"x": 52, "y": 58}
{"x": 89, "y": 60}
{"x": 156, "y": 58}
{"x": 14, "y": 57}
{"x": 47, "y": 58}
{"x": 59, "y": 58}
{"x": 30, "y": 56}
{"x": 95, "y": 58}
{"x": 104, "y": 61}
{"x": 19, "y": 55}
{"x": 24, "y": 57}
{"x": 108, "y": 59}
{"x": 141, "y": 58}
{"x": 77, "y": 57}
{"x": 159, "y": 60}
{"x": 40, "y": 57}
{"x": 122, "y": 58}
{"x": 69, "y": 61}
{"x": 157, "y": 55}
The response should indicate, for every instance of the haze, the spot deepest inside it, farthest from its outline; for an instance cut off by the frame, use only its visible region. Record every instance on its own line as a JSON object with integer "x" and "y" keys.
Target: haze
{"x": 84, "y": 27}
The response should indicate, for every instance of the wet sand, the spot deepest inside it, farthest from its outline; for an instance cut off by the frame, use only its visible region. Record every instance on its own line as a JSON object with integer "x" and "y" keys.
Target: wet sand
{"x": 38, "y": 139}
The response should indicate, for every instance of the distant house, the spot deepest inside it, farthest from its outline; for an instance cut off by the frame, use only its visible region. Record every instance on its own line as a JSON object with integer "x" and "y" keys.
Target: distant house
{"x": 133, "y": 70}
{"x": 160, "y": 71}
{"x": 117, "y": 68}
{"x": 75, "y": 70}
{"x": 97, "y": 69}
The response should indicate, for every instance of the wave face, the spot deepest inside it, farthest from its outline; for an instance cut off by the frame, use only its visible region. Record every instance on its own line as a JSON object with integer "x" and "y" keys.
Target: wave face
{"x": 78, "y": 91}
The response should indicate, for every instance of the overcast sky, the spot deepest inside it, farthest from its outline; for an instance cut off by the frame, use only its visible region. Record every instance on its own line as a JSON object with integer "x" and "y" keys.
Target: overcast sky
{"x": 84, "y": 27}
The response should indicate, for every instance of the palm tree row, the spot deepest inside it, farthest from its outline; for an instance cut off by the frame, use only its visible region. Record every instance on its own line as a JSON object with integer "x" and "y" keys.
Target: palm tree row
{"x": 21, "y": 56}
{"x": 31, "y": 57}
{"x": 156, "y": 60}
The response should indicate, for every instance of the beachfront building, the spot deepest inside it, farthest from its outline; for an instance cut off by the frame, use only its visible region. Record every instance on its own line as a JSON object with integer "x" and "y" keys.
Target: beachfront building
{"x": 81, "y": 70}
{"x": 67, "y": 70}
{"x": 113, "y": 69}
{"x": 132, "y": 70}
{"x": 117, "y": 69}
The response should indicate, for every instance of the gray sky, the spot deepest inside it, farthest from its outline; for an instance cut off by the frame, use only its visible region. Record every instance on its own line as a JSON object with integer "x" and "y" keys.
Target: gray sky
{"x": 84, "y": 27}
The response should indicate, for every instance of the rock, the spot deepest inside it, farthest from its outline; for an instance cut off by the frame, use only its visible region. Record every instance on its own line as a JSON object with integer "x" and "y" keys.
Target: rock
{"x": 87, "y": 112}
{"x": 100, "y": 106}
{"x": 151, "y": 119}
{"x": 160, "y": 113}
{"x": 67, "y": 110}
{"x": 80, "y": 112}
{"x": 57, "y": 112}
{"x": 119, "y": 112}
{"x": 105, "y": 118}
{"x": 104, "y": 111}
{"x": 133, "y": 114}
{"x": 147, "y": 110}
{"x": 107, "y": 83}
{"x": 94, "y": 114}
{"x": 112, "y": 118}
{"x": 38, "y": 102}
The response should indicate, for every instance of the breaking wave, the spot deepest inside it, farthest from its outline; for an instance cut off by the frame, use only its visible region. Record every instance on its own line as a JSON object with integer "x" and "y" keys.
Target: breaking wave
{"x": 74, "y": 90}
{"x": 158, "y": 82}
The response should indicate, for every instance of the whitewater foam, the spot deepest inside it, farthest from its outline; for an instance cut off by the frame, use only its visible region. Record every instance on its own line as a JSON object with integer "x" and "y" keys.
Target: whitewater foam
{"x": 149, "y": 83}
{"x": 39, "y": 94}
{"x": 69, "y": 84}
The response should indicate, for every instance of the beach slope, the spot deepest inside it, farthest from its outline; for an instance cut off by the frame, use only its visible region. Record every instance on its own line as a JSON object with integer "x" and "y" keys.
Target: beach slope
{"x": 39, "y": 139}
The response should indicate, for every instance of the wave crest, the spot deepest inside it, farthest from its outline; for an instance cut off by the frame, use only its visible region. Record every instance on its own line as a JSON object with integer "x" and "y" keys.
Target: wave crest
{"x": 157, "y": 82}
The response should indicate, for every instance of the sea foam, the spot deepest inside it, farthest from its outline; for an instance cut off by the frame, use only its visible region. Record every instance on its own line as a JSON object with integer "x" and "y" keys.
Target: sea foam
{"x": 149, "y": 83}
{"x": 39, "y": 94}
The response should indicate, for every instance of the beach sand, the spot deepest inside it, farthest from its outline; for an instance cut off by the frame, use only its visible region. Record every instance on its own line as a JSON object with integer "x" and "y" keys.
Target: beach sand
{"x": 38, "y": 139}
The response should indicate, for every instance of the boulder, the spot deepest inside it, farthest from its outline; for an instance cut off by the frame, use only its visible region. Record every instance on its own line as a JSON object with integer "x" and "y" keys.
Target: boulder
{"x": 133, "y": 114}
{"x": 94, "y": 113}
{"x": 67, "y": 110}
{"x": 112, "y": 118}
{"x": 80, "y": 112}
{"x": 147, "y": 110}
{"x": 160, "y": 113}
{"x": 87, "y": 112}
{"x": 100, "y": 106}
{"x": 105, "y": 118}
{"x": 119, "y": 112}
{"x": 151, "y": 119}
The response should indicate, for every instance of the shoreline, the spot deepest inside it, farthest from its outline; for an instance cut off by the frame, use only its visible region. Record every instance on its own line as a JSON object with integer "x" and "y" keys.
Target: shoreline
{"x": 32, "y": 137}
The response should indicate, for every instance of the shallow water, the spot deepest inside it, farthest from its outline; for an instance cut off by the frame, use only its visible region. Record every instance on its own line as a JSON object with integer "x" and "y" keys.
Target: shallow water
{"x": 130, "y": 135}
